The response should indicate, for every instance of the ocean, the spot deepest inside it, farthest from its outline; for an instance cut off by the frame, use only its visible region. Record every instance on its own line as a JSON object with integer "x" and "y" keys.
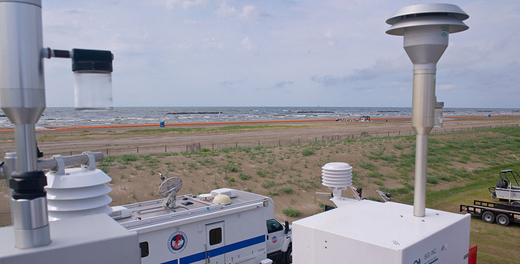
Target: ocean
{"x": 68, "y": 117}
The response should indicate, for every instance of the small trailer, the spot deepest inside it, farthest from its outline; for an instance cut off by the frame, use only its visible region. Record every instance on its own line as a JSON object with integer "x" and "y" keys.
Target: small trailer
{"x": 490, "y": 212}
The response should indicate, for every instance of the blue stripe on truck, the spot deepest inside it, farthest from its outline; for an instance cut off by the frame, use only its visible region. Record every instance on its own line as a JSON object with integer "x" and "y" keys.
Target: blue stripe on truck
{"x": 219, "y": 251}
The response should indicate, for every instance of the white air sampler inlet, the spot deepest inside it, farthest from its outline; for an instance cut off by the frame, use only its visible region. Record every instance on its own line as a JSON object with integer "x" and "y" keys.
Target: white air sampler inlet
{"x": 426, "y": 29}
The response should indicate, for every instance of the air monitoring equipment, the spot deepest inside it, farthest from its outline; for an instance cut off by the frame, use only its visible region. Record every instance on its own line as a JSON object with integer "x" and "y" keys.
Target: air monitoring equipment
{"x": 92, "y": 77}
{"x": 22, "y": 98}
{"x": 365, "y": 231}
{"x": 426, "y": 29}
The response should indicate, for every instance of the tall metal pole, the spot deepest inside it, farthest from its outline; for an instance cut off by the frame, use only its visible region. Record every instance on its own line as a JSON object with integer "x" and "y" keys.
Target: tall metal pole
{"x": 424, "y": 51}
{"x": 22, "y": 98}
{"x": 426, "y": 30}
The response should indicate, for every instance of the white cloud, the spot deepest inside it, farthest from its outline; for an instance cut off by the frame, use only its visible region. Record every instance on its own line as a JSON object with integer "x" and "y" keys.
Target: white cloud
{"x": 212, "y": 43}
{"x": 248, "y": 11}
{"x": 282, "y": 84}
{"x": 192, "y": 22}
{"x": 328, "y": 34}
{"x": 248, "y": 44}
{"x": 184, "y": 46}
{"x": 225, "y": 10}
{"x": 184, "y": 4}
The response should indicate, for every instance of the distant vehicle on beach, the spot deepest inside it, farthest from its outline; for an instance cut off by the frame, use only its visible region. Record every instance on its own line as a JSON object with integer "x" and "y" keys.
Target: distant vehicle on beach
{"x": 361, "y": 119}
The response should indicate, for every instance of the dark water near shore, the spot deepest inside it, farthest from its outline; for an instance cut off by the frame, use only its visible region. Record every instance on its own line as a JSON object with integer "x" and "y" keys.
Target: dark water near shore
{"x": 67, "y": 116}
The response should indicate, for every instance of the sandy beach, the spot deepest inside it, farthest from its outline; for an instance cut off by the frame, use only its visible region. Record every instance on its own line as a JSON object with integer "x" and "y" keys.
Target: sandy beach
{"x": 72, "y": 141}
{"x": 294, "y": 177}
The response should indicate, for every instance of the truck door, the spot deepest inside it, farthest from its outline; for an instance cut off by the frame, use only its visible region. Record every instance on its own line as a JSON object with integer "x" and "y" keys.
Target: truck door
{"x": 275, "y": 236}
{"x": 215, "y": 243}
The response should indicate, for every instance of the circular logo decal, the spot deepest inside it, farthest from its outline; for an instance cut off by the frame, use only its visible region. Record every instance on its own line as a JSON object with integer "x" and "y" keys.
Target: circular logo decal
{"x": 274, "y": 239}
{"x": 177, "y": 242}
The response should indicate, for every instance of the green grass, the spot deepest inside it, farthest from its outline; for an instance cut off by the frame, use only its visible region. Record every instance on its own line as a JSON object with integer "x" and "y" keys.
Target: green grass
{"x": 374, "y": 174}
{"x": 231, "y": 167}
{"x": 287, "y": 190}
{"x": 308, "y": 152}
{"x": 244, "y": 176}
{"x": 268, "y": 184}
{"x": 261, "y": 173}
{"x": 291, "y": 212}
{"x": 368, "y": 166}
{"x": 432, "y": 179}
{"x": 127, "y": 158}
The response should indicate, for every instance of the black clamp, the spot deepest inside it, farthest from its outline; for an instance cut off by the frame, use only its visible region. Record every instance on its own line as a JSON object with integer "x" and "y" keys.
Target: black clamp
{"x": 28, "y": 185}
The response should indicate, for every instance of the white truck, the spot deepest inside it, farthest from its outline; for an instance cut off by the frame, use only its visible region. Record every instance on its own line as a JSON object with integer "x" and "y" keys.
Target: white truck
{"x": 225, "y": 226}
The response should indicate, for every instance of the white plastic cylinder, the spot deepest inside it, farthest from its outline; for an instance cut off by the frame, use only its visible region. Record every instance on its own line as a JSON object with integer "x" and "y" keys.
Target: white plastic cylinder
{"x": 93, "y": 91}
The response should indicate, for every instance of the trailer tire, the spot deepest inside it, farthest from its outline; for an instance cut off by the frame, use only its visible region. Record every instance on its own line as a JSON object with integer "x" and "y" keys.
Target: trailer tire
{"x": 488, "y": 216}
{"x": 503, "y": 219}
{"x": 288, "y": 254}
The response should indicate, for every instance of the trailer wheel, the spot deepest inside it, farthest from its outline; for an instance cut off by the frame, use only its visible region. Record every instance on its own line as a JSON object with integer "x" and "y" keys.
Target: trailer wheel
{"x": 288, "y": 255}
{"x": 503, "y": 219}
{"x": 517, "y": 203}
{"x": 488, "y": 216}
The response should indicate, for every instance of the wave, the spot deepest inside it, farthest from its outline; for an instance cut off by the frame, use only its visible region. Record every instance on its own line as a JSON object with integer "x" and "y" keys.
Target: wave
{"x": 67, "y": 116}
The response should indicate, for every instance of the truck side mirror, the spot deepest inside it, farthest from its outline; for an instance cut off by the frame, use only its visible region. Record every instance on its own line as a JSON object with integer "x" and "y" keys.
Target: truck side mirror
{"x": 286, "y": 227}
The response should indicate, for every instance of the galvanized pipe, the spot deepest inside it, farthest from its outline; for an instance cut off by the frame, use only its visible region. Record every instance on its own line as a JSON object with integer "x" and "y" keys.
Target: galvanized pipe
{"x": 47, "y": 164}
{"x": 73, "y": 160}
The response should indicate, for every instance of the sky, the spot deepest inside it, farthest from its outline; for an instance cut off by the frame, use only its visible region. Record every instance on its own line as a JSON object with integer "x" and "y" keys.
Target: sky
{"x": 278, "y": 53}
